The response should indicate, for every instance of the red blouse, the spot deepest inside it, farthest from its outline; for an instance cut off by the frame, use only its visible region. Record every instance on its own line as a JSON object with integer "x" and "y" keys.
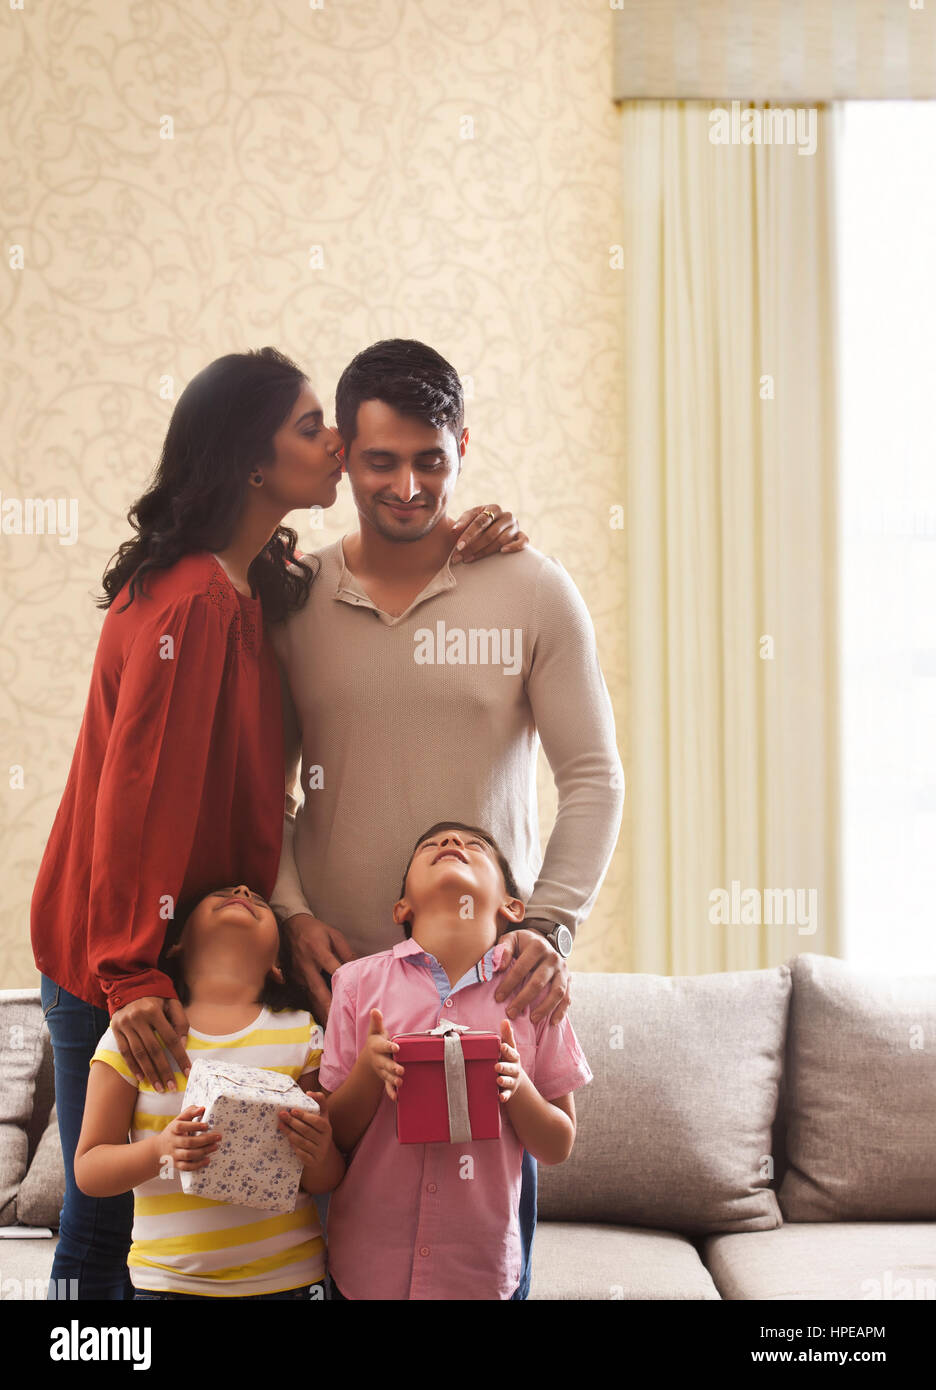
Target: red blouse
{"x": 176, "y": 785}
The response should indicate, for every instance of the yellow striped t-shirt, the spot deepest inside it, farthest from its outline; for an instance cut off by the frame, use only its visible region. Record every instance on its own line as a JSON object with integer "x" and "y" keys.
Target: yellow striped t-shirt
{"x": 188, "y": 1244}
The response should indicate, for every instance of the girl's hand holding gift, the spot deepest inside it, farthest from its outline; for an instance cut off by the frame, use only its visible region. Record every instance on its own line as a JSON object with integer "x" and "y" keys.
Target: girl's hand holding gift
{"x": 379, "y": 1051}
{"x": 310, "y": 1134}
{"x": 186, "y": 1142}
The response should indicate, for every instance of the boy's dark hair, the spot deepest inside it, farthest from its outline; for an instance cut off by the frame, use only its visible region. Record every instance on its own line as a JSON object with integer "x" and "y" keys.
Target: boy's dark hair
{"x": 406, "y": 375}
{"x": 291, "y": 994}
{"x": 509, "y": 881}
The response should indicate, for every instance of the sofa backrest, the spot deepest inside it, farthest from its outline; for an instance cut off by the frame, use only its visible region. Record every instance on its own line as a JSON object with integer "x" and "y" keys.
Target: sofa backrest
{"x": 25, "y": 1007}
{"x": 861, "y": 1076}
{"x": 26, "y": 1091}
{"x": 680, "y": 1123}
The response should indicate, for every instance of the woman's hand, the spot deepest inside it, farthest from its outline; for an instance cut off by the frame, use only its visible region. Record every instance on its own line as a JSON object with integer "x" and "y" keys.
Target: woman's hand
{"x": 378, "y": 1052}
{"x": 316, "y": 947}
{"x": 135, "y": 1027}
{"x": 484, "y": 531}
{"x": 186, "y": 1142}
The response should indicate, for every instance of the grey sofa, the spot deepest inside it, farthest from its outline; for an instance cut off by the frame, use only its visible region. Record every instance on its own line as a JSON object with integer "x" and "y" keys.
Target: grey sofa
{"x": 766, "y": 1134}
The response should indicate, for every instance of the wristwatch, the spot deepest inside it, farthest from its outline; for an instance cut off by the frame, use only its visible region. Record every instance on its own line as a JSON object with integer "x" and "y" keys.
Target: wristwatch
{"x": 561, "y": 939}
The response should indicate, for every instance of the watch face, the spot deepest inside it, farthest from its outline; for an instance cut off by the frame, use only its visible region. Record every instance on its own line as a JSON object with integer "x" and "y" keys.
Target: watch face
{"x": 563, "y": 941}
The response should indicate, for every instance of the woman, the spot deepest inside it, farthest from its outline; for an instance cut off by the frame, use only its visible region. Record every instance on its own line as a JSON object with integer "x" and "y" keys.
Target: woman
{"x": 177, "y": 778}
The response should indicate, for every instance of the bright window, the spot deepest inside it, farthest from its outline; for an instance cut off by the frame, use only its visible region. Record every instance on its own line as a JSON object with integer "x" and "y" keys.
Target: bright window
{"x": 887, "y": 320}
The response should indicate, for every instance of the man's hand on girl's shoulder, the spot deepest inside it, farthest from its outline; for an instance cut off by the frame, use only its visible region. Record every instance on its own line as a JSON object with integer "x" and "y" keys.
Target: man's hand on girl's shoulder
{"x": 317, "y": 947}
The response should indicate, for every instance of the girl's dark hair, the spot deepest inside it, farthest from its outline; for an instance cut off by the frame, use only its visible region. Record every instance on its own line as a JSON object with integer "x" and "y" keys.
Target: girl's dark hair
{"x": 222, "y": 427}
{"x": 409, "y": 376}
{"x": 291, "y": 994}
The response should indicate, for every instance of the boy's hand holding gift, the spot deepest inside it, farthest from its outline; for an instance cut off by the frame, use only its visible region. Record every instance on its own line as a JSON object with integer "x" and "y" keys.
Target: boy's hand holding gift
{"x": 509, "y": 1069}
{"x": 379, "y": 1052}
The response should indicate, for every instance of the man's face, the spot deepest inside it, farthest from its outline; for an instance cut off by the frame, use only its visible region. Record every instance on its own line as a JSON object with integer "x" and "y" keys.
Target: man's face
{"x": 402, "y": 471}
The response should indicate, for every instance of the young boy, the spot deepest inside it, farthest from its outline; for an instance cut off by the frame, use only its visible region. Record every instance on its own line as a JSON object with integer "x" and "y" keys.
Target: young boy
{"x": 417, "y": 1221}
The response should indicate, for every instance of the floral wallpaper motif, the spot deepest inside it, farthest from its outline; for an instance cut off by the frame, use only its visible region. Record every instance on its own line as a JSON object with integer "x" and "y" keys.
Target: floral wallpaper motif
{"x": 183, "y": 180}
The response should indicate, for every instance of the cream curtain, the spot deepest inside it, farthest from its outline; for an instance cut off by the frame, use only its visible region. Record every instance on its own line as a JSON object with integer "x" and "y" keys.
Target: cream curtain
{"x": 732, "y": 534}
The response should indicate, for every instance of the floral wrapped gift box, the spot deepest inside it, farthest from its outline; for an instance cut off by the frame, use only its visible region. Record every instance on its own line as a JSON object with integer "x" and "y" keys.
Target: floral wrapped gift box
{"x": 254, "y": 1165}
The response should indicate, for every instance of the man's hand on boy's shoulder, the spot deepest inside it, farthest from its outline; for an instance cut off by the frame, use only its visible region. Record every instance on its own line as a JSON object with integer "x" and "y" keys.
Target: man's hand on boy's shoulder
{"x": 534, "y": 968}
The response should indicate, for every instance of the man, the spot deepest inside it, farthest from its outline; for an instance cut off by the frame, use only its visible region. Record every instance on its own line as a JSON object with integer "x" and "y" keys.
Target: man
{"x": 420, "y": 690}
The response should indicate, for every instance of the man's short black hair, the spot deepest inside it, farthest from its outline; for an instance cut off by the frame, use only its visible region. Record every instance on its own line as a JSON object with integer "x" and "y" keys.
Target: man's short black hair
{"x": 407, "y": 375}
{"x": 509, "y": 881}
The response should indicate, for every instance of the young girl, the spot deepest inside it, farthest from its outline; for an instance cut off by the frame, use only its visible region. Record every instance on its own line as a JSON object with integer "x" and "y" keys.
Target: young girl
{"x": 230, "y": 964}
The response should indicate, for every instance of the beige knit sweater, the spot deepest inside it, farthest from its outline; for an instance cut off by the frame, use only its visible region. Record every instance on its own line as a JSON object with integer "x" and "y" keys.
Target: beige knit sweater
{"x": 434, "y": 715}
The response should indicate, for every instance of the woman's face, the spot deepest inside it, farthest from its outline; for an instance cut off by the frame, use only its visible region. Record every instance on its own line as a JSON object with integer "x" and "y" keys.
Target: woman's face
{"x": 306, "y": 470}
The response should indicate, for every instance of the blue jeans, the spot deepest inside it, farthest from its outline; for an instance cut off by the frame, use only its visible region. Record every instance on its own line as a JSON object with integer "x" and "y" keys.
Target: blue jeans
{"x": 94, "y": 1232}
{"x": 527, "y": 1222}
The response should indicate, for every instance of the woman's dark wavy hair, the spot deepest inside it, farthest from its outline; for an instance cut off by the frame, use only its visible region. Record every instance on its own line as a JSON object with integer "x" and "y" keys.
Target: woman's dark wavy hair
{"x": 222, "y": 427}
{"x": 291, "y": 994}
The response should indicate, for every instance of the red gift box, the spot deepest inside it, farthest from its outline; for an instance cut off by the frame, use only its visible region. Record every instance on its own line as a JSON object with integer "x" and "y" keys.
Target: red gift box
{"x": 450, "y": 1091}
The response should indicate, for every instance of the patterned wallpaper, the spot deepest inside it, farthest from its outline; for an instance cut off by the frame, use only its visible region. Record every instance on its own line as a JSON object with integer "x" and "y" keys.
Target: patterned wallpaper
{"x": 184, "y": 180}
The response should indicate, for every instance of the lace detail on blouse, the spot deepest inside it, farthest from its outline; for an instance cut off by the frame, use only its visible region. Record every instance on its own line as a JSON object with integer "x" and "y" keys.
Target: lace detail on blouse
{"x": 242, "y": 630}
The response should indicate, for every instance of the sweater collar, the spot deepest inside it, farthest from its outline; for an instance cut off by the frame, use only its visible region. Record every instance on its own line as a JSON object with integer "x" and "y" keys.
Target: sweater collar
{"x": 349, "y": 590}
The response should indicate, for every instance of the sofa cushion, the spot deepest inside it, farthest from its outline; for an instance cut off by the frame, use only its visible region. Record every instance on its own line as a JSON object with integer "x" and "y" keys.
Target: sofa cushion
{"x": 572, "y": 1261}
{"x": 861, "y": 1088}
{"x": 27, "y": 1273}
{"x": 675, "y": 1130}
{"x": 42, "y": 1191}
{"x": 22, "y": 1039}
{"x": 842, "y": 1260}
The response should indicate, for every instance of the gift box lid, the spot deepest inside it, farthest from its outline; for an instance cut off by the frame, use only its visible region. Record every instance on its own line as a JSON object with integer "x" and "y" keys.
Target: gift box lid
{"x": 426, "y": 1047}
{"x": 237, "y": 1077}
{"x": 255, "y": 1076}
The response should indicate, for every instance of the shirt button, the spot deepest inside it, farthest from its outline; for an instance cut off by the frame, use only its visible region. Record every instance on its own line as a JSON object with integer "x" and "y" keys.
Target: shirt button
{"x": 424, "y": 1250}
{"x": 432, "y": 1187}
{"x": 116, "y": 998}
{"x": 448, "y": 1003}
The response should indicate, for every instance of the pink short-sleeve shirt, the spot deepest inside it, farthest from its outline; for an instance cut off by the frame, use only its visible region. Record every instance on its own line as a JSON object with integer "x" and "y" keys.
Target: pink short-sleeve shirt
{"x": 432, "y": 1221}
